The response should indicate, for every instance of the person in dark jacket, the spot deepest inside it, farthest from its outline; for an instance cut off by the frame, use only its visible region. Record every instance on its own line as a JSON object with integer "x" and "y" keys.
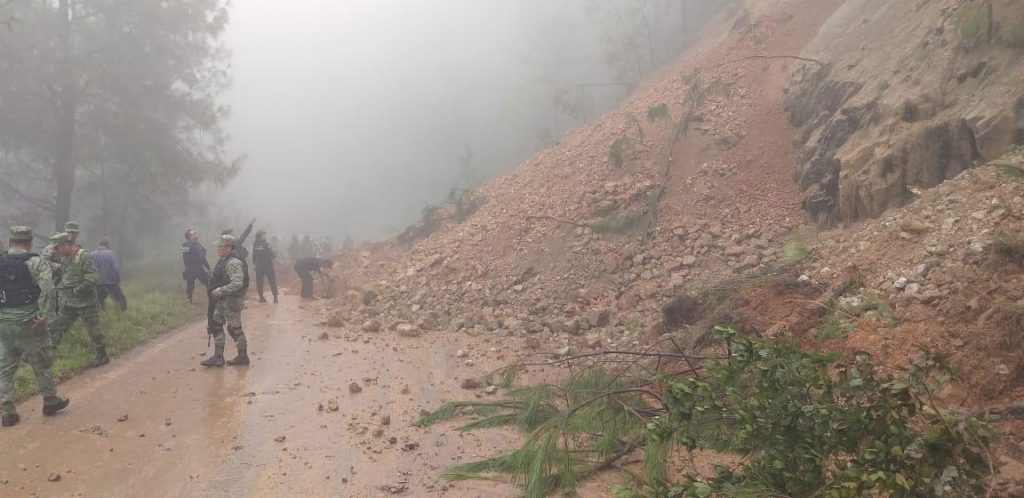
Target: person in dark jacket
{"x": 109, "y": 283}
{"x": 263, "y": 258}
{"x": 305, "y": 268}
{"x": 193, "y": 255}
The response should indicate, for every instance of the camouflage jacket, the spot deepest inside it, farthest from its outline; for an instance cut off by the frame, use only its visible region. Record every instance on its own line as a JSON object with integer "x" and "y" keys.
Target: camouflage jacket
{"x": 77, "y": 287}
{"x": 40, "y": 270}
{"x": 49, "y": 253}
{"x": 231, "y": 277}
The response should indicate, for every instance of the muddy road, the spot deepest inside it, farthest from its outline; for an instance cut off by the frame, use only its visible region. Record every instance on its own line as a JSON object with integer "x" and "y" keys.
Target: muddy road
{"x": 154, "y": 423}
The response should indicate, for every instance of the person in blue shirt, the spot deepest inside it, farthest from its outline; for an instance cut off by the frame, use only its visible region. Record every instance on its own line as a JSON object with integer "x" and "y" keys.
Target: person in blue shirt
{"x": 109, "y": 282}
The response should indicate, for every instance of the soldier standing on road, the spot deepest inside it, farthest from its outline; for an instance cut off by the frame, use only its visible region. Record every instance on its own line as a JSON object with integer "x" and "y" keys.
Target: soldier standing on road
{"x": 228, "y": 285}
{"x": 263, "y": 258}
{"x": 193, "y": 255}
{"x": 76, "y": 297}
{"x": 25, "y": 297}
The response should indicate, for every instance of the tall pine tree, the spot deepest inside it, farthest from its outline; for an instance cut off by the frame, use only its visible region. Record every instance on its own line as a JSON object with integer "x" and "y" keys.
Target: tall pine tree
{"x": 116, "y": 98}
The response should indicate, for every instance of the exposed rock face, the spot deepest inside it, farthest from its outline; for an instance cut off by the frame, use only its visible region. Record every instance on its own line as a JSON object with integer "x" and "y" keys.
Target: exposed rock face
{"x": 900, "y": 107}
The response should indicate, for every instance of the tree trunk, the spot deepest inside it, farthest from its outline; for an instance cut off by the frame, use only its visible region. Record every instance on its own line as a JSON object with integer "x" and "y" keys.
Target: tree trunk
{"x": 63, "y": 165}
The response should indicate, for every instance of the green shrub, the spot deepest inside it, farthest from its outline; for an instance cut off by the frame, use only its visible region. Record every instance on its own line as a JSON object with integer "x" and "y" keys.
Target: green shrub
{"x": 465, "y": 203}
{"x": 658, "y": 113}
{"x": 618, "y": 150}
{"x": 430, "y": 222}
{"x": 802, "y": 423}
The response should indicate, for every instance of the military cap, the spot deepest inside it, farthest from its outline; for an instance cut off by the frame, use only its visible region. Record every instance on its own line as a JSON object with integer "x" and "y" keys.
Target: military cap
{"x": 71, "y": 226}
{"x": 227, "y": 240}
{"x": 21, "y": 234}
{"x": 60, "y": 238}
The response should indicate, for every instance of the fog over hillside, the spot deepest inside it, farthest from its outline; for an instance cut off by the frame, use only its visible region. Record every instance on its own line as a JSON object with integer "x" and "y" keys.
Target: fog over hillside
{"x": 354, "y": 115}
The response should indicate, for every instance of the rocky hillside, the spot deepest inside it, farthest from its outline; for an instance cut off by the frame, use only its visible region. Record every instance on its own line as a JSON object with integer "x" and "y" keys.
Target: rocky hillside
{"x": 595, "y": 235}
{"x": 945, "y": 273}
{"x": 688, "y": 207}
{"x": 700, "y": 201}
{"x": 912, "y": 94}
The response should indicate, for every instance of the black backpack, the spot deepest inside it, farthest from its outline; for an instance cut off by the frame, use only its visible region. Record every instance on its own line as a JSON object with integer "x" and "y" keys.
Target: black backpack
{"x": 17, "y": 286}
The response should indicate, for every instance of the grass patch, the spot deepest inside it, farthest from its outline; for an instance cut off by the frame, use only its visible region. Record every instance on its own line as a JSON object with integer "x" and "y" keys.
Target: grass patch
{"x": 151, "y": 312}
{"x": 618, "y": 150}
{"x": 834, "y": 327}
{"x": 796, "y": 250}
{"x": 972, "y": 24}
{"x": 841, "y": 320}
{"x": 1012, "y": 172}
{"x": 1010, "y": 246}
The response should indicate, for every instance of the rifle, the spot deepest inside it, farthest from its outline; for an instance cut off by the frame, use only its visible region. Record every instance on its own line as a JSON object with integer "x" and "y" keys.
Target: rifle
{"x": 210, "y": 324}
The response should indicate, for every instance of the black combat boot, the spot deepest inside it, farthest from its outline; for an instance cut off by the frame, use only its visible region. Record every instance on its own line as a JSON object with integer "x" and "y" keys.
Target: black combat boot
{"x": 241, "y": 359}
{"x": 54, "y": 404}
{"x": 217, "y": 360}
{"x": 11, "y": 419}
{"x": 101, "y": 358}
{"x": 275, "y": 298}
{"x": 263, "y": 299}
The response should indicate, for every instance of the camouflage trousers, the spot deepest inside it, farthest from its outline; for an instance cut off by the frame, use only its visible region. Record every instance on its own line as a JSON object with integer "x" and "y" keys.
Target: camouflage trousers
{"x": 68, "y": 315}
{"x": 20, "y": 341}
{"x": 228, "y": 311}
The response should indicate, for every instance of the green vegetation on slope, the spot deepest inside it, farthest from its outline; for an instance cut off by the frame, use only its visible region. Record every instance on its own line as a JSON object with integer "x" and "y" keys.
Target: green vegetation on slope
{"x": 786, "y": 421}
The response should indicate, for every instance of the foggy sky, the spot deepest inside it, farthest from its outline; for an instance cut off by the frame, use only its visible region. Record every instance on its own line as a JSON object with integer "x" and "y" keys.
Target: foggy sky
{"x": 353, "y": 113}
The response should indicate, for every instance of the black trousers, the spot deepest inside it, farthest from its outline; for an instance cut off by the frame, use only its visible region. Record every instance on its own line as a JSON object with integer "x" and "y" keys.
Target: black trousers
{"x": 115, "y": 293}
{"x": 191, "y": 275}
{"x": 268, "y": 273}
{"x": 307, "y": 283}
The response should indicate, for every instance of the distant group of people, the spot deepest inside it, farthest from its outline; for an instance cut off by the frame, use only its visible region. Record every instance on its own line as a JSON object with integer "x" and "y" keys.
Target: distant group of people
{"x": 228, "y": 283}
{"x": 41, "y": 298}
{"x": 309, "y": 248}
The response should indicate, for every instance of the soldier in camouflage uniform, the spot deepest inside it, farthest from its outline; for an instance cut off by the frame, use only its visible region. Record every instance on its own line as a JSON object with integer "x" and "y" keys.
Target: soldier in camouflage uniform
{"x": 49, "y": 253}
{"x": 228, "y": 284}
{"x": 25, "y": 284}
{"x": 76, "y": 298}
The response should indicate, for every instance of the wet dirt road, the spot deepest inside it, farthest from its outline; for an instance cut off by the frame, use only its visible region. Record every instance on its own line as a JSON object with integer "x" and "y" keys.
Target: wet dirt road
{"x": 269, "y": 430}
